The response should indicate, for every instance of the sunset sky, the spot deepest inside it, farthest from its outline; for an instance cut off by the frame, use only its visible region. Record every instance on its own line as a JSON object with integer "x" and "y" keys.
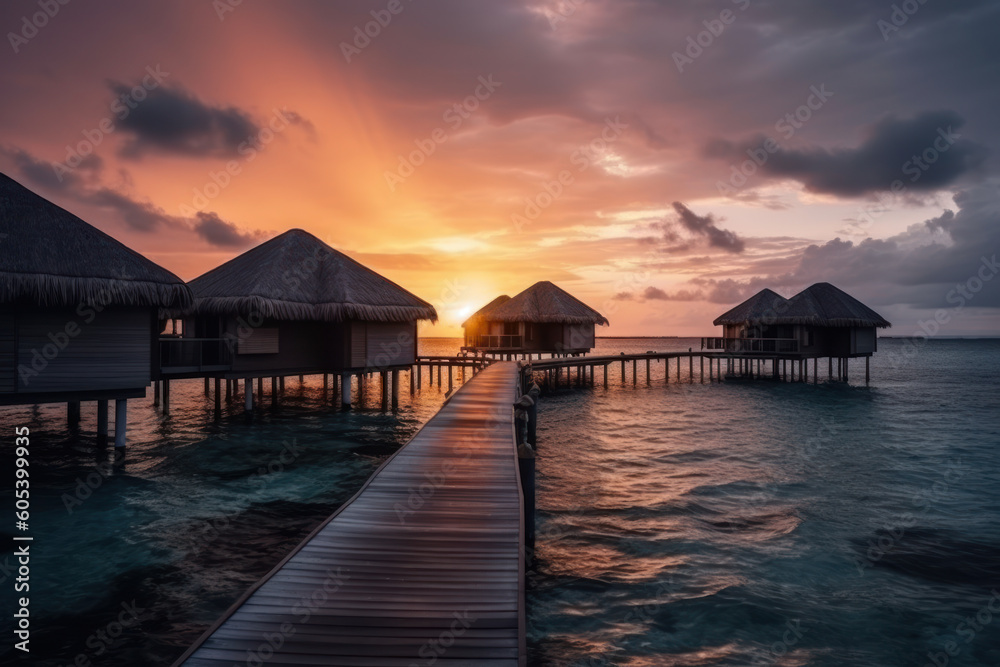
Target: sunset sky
{"x": 468, "y": 149}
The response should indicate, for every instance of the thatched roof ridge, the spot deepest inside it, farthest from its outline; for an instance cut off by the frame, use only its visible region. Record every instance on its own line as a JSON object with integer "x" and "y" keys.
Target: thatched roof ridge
{"x": 763, "y": 305}
{"x": 481, "y": 314}
{"x": 830, "y": 306}
{"x": 50, "y": 257}
{"x": 295, "y": 276}
{"x": 544, "y": 303}
{"x": 821, "y": 304}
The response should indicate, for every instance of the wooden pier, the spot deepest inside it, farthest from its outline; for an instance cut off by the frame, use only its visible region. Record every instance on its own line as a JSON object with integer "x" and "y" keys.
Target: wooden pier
{"x": 424, "y": 565}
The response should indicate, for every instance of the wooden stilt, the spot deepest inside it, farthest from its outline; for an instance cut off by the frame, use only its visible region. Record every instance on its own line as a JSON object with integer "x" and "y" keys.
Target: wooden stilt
{"x": 326, "y": 383}
{"x": 156, "y": 393}
{"x": 121, "y": 421}
{"x": 605, "y": 376}
{"x": 690, "y": 367}
{"x": 361, "y": 388}
{"x": 248, "y": 395}
{"x": 218, "y": 395}
{"x": 229, "y": 390}
{"x": 166, "y": 397}
{"x": 73, "y": 413}
{"x": 281, "y": 383}
{"x": 260, "y": 387}
{"x": 846, "y": 362}
{"x": 439, "y": 374}
{"x": 206, "y": 385}
{"x": 450, "y": 381}
{"x": 815, "y": 370}
{"x": 830, "y": 360}
{"x": 102, "y": 420}
{"x": 867, "y": 370}
{"x": 345, "y": 390}
{"x": 647, "y": 373}
{"x": 419, "y": 376}
{"x": 384, "y": 378}
{"x": 302, "y": 378}
{"x": 395, "y": 390}
{"x": 413, "y": 380}
{"x": 274, "y": 391}
{"x": 678, "y": 369}
{"x": 635, "y": 375}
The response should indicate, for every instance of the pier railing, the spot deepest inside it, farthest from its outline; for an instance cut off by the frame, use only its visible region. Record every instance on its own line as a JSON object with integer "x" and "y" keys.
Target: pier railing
{"x": 498, "y": 342}
{"x": 752, "y": 345}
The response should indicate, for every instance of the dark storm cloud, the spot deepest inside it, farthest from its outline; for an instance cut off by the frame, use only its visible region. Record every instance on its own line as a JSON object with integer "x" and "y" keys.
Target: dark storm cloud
{"x": 923, "y": 267}
{"x": 175, "y": 121}
{"x": 923, "y": 153}
{"x": 705, "y": 226}
{"x": 218, "y": 232}
{"x": 137, "y": 215}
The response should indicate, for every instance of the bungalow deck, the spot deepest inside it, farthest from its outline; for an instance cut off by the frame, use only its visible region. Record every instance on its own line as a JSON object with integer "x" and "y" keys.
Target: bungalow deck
{"x": 423, "y": 565}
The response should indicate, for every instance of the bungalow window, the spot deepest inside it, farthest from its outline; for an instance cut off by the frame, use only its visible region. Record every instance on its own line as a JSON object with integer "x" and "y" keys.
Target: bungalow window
{"x": 809, "y": 337}
{"x": 511, "y": 328}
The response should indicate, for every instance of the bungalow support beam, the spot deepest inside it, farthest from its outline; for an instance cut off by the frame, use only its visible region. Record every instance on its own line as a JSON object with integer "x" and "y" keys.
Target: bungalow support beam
{"x": 248, "y": 394}
{"x": 102, "y": 421}
{"x": 73, "y": 413}
{"x": 121, "y": 421}
{"x": 345, "y": 391}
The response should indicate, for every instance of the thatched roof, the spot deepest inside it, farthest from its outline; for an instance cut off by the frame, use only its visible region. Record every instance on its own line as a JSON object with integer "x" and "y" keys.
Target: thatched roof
{"x": 821, "y": 304}
{"x": 481, "y": 314}
{"x": 50, "y": 257}
{"x": 545, "y": 303}
{"x": 295, "y": 276}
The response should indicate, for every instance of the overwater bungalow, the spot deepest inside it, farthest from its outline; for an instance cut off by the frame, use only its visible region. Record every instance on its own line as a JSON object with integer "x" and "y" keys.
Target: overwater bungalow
{"x": 294, "y": 306}
{"x": 820, "y": 321}
{"x": 78, "y": 310}
{"x": 541, "y": 319}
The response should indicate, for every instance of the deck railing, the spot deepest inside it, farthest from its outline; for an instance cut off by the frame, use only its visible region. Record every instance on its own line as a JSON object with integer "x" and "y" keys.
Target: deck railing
{"x": 185, "y": 355}
{"x": 498, "y": 342}
{"x": 752, "y": 345}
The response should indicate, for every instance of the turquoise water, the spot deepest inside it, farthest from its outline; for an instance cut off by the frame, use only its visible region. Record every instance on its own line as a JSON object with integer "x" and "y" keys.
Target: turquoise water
{"x": 774, "y": 524}
{"x": 679, "y": 524}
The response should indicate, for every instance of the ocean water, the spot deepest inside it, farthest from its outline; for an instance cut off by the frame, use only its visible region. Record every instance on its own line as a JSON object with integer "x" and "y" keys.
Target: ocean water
{"x": 679, "y": 523}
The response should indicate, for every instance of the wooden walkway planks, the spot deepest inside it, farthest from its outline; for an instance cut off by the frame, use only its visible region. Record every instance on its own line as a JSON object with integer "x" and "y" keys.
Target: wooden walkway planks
{"x": 423, "y": 566}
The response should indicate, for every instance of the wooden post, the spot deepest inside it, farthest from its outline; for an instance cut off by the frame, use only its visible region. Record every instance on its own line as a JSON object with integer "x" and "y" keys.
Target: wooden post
{"x": 413, "y": 381}
{"x": 281, "y": 383}
{"x": 623, "y": 371}
{"x": 605, "y": 376}
{"x": 450, "y": 381}
{"x": 102, "y": 421}
{"x": 395, "y": 390}
{"x": 439, "y": 374}
{"x": 302, "y": 378}
{"x": 846, "y": 362}
{"x": 678, "y": 369}
{"x": 690, "y": 366}
{"x": 361, "y": 388}
{"x": 463, "y": 372}
{"x": 702, "y": 369}
{"x": 867, "y": 371}
{"x": 326, "y": 383}
{"x": 815, "y": 370}
{"x": 121, "y": 420}
{"x": 647, "y": 372}
{"x": 218, "y": 395}
{"x": 156, "y": 393}
{"x": 384, "y": 377}
{"x": 345, "y": 390}
{"x": 166, "y": 397}
{"x": 419, "y": 376}
{"x": 206, "y": 385}
{"x": 248, "y": 394}
{"x": 830, "y": 359}
{"x": 260, "y": 387}
{"x": 73, "y": 413}
{"x": 274, "y": 391}
{"x": 635, "y": 374}
{"x": 229, "y": 390}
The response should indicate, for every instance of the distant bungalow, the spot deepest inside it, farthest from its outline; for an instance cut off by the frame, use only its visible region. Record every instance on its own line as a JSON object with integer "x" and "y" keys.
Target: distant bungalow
{"x": 78, "y": 310}
{"x": 541, "y": 319}
{"x": 294, "y": 306}
{"x": 820, "y": 321}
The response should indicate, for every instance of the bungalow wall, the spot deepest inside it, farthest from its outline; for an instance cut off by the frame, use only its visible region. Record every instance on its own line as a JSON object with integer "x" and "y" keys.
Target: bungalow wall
{"x": 50, "y": 351}
{"x": 280, "y": 347}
